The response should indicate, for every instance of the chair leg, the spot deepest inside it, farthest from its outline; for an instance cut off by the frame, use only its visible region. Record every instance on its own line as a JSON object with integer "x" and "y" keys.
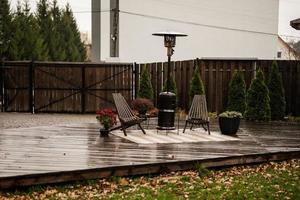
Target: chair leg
{"x": 204, "y": 127}
{"x": 142, "y": 128}
{"x": 116, "y": 128}
{"x": 124, "y": 131}
{"x": 208, "y": 128}
{"x": 192, "y": 126}
{"x": 185, "y": 126}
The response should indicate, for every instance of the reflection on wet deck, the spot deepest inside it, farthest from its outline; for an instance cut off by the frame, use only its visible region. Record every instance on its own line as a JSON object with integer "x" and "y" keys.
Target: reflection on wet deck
{"x": 48, "y": 149}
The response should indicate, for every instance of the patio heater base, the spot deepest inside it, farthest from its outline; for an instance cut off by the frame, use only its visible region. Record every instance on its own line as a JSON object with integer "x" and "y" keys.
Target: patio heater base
{"x": 166, "y": 114}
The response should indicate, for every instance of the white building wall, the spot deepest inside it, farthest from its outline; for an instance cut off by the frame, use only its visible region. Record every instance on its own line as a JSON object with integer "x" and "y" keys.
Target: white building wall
{"x": 259, "y": 17}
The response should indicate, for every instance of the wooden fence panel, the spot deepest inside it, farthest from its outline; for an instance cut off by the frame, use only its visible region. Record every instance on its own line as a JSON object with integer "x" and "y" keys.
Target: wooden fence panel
{"x": 159, "y": 75}
{"x": 153, "y": 80}
{"x": 87, "y": 87}
{"x": 64, "y": 87}
{"x": 296, "y": 110}
{"x": 216, "y": 75}
{"x": 16, "y": 83}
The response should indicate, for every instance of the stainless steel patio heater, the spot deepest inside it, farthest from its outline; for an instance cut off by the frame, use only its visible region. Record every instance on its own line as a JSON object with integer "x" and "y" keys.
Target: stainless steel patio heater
{"x": 167, "y": 100}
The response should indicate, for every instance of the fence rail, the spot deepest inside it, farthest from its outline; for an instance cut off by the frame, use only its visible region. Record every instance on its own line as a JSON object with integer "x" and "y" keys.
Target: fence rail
{"x": 86, "y": 87}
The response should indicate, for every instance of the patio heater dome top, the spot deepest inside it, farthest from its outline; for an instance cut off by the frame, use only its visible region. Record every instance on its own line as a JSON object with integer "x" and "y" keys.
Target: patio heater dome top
{"x": 170, "y": 33}
{"x": 295, "y": 24}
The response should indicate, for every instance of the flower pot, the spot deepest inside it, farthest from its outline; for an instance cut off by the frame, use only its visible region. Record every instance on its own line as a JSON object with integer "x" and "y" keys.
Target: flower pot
{"x": 104, "y": 132}
{"x": 229, "y": 126}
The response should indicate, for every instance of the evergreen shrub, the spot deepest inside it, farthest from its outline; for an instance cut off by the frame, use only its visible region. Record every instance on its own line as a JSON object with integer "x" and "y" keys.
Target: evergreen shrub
{"x": 258, "y": 100}
{"x": 196, "y": 85}
{"x": 172, "y": 85}
{"x": 237, "y": 93}
{"x": 277, "y": 99}
{"x": 145, "y": 89}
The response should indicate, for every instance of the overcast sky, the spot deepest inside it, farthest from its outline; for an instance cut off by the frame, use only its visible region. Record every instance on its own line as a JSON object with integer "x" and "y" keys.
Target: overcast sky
{"x": 288, "y": 10}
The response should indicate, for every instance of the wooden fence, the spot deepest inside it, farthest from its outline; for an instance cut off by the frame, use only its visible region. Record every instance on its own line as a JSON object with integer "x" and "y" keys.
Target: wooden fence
{"x": 63, "y": 87}
{"x": 86, "y": 87}
{"x": 216, "y": 75}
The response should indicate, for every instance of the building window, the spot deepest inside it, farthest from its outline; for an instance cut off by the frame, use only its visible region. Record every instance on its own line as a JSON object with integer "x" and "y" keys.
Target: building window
{"x": 279, "y": 54}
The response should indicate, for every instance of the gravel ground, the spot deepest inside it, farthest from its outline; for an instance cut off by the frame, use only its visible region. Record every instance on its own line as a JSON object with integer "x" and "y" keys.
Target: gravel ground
{"x": 18, "y": 120}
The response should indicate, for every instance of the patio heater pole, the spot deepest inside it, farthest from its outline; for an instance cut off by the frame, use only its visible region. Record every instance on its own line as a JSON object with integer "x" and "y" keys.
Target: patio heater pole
{"x": 167, "y": 100}
{"x": 169, "y": 70}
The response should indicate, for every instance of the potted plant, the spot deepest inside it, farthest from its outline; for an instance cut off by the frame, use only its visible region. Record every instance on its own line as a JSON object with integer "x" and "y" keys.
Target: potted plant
{"x": 229, "y": 122}
{"x": 142, "y": 105}
{"x": 107, "y": 118}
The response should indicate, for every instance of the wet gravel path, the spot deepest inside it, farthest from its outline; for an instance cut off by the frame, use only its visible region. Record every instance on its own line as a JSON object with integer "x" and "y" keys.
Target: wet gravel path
{"x": 18, "y": 120}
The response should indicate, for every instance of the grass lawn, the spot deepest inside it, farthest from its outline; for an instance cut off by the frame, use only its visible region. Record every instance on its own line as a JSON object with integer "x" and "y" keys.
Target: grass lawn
{"x": 265, "y": 181}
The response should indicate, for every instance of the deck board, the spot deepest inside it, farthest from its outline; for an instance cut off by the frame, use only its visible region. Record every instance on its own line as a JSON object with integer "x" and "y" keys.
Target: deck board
{"x": 65, "y": 148}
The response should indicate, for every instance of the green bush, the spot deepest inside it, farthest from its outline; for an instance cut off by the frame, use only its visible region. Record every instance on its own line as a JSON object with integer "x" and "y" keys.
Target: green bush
{"x": 145, "y": 89}
{"x": 196, "y": 85}
{"x": 258, "y": 100}
{"x": 237, "y": 93}
{"x": 231, "y": 114}
{"x": 277, "y": 100}
{"x": 141, "y": 104}
{"x": 202, "y": 170}
{"x": 172, "y": 85}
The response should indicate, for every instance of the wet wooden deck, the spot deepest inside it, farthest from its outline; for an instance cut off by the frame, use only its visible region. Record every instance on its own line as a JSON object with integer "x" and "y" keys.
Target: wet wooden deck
{"x": 52, "y": 154}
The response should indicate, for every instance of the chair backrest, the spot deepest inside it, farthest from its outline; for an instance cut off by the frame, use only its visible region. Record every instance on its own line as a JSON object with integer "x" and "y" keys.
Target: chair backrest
{"x": 124, "y": 111}
{"x": 198, "y": 108}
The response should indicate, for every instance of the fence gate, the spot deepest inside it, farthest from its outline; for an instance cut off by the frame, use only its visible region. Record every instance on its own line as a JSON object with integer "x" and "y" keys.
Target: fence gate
{"x": 63, "y": 87}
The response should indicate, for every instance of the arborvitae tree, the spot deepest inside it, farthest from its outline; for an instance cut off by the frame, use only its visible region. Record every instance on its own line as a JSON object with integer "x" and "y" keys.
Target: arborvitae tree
{"x": 258, "y": 100}
{"x": 145, "y": 89}
{"x": 196, "y": 85}
{"x": 5, "y": 29}
{"x": 237, "y": 93}
{"x": 277, "y": 100}
{"x": 172, "y": 85}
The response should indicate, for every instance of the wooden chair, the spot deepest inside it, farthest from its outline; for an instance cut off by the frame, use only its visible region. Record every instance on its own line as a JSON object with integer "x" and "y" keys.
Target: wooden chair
{"x": 198, "y": 114}
{"x": 126, "y": 116}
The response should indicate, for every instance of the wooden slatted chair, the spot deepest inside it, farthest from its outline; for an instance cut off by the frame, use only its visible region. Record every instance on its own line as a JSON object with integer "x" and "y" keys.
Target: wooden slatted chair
{"x": 126, "y": 116}
{"x": 198, "y": 114}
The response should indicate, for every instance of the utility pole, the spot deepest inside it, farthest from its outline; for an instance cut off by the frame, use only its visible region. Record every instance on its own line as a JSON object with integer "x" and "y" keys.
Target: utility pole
{"x": 96, "y": 30}
{"x": 114, "y": 28}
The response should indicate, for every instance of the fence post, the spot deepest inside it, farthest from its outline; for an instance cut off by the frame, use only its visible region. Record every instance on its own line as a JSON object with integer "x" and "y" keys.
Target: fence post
{"x": 132, "y": 80}
{"x": 31, "y": 88}
{"x": 82, "y": 89}
{"x": 2, "y": 86}
{"x": 136, "y": 77}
